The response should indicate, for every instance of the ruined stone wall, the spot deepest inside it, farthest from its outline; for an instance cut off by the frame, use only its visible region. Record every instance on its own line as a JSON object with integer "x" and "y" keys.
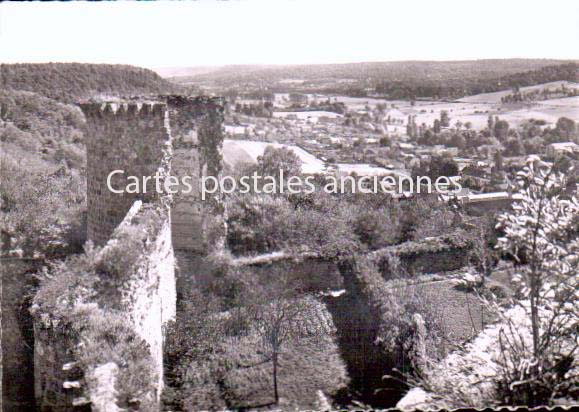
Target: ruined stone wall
{"x": 127, "y": 297}
{"x": 147, "y": 294}
{"x": 99, "y": 336}
{"x": 128, "y": 136}
{"x": 433, "y": 255}
{"x": 428, "y": 256}
{"x": 314, "y": 274}
{"x": 53, "y": 350}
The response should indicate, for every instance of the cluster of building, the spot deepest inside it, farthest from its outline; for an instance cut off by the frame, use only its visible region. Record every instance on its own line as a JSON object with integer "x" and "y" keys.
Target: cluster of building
{"x": 367, "y": 141}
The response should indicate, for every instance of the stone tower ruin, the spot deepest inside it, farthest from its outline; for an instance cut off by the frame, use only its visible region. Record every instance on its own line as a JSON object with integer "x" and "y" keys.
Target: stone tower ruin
{"x": 141, "y": 234}
{"x": 135, "y": 137}
{"x": 197, "y": 151}
{"x": 132, "y": 137}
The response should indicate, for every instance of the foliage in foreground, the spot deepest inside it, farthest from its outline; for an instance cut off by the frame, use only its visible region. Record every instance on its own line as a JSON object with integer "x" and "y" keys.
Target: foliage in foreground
{"x": 530, "y": 356}
{"x": 225, "y": 360}
{"x": 543, "y": 232}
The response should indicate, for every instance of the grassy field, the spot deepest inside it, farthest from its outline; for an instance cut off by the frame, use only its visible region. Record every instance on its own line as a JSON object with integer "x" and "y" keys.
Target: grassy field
{"x": 477, "y": 111}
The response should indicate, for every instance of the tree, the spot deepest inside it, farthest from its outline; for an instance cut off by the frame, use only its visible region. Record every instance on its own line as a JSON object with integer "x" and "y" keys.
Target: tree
{"x": 565, "y": 128}
{"x": 499, "y": 165}
{"x": 442, "y": 166}
{"x": 275, "y": 159}
{"x": 540, "y": 233}
{"x": 411, "y": 127}
{"x": 385, "y": 141}
{"x": 491, "y": 124}
{"x": 436, "y": 126}
{"x": 458, "y": 141}
{"x": 281, "y": 317}
{"x": 444, "y": 119}
{"x": 501, "y": 129}
{"x": 514, "y": 147}
{"x": 482, "y": 254}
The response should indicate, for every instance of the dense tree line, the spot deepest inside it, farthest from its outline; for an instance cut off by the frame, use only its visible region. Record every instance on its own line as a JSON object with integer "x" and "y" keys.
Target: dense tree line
{"x": 463, "y": 86}
{"x": 403, "y": 70}
{"x": 69, "y": 82}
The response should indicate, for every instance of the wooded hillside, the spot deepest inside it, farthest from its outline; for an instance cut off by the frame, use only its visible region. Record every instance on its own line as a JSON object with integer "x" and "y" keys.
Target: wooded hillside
{"x": 70, "y": 82}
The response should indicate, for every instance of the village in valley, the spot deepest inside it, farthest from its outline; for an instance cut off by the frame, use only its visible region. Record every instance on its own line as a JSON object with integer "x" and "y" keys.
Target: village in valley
{"x": 484, "y": 139}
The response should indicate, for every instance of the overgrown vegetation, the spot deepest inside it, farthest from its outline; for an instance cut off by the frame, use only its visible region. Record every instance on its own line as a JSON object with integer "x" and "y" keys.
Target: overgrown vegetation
{"x": 43, "y": 212}
{"x": 529, "y": 356}
{"x": 66, "y": 304}
{"x": 542, "y": 232}
{"x": 245, "y": 340}
{"x": 43, "y": 189}
{"x": 329, "y": 225}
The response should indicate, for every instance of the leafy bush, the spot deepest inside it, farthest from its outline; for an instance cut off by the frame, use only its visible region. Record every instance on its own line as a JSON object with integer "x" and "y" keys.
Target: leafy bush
{"x": 490, "y": 372}
{"x": 426, "y": 217}
{"x": 333, "y": 226}
{"x": 283, "y": 227}
{"x": 190, "y": 339}
{"x": 378, "y": 228}
{"x": 542, "y": 231}
{"x": 529, "y": 356}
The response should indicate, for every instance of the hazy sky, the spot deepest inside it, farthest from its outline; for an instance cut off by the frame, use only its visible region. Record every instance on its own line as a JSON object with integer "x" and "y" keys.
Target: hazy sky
{"x": 170, "y": 34}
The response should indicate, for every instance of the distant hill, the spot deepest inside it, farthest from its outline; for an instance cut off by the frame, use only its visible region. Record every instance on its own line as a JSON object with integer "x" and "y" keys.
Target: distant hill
{"x": 406, "y": 79}
{"x": 392, "y": 70}
{"x": 70, "y": 82}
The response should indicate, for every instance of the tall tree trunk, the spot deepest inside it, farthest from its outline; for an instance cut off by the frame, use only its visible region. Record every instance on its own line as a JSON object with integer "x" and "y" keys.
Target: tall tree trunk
{"x": 535, "y": 324}
{"x": 275, "y": 393}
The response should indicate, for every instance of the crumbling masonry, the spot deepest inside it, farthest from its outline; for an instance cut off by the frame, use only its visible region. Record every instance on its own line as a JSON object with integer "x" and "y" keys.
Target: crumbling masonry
{"x": 172, "y": 135}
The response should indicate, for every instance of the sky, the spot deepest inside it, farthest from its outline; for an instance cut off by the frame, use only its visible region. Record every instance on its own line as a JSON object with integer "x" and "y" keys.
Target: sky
{"x": 210, "y": 33}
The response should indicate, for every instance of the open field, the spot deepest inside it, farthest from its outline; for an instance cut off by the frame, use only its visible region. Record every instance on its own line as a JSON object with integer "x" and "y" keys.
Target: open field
{"x": 246, "y": 151}
{"x": 476, "y": 114}
{"x": 572, "y": 102}
{"x": 476, "y": 110}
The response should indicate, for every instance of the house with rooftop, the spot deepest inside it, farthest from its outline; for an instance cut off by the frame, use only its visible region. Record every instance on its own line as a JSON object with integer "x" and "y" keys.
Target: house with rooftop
{"x": 561, "y": 148}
